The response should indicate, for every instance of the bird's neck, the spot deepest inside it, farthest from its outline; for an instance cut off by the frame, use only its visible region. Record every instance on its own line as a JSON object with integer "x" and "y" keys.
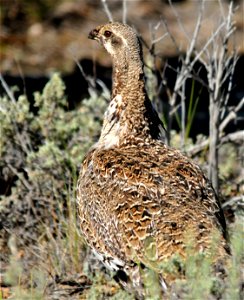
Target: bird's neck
{"x": 128, "y": 75}
{"x": 130, "y": 117}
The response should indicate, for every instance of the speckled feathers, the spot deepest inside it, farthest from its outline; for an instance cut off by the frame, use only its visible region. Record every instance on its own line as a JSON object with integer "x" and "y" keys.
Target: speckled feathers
{"x": 134, "y": 192}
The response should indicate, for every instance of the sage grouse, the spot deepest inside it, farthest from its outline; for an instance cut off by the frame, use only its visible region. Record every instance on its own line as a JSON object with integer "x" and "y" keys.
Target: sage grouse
{"x": 135, "y": 193}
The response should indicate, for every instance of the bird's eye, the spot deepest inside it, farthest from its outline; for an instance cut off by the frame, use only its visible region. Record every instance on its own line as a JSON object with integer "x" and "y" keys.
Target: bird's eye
{"x": 107, "y": 33}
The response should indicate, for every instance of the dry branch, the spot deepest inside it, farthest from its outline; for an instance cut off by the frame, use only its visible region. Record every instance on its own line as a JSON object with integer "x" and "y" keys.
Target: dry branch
{"x": 235, "y": 137}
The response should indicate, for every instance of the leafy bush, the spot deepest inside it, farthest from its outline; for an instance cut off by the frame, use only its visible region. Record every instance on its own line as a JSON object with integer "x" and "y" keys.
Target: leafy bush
{"x": 41, "y": 153}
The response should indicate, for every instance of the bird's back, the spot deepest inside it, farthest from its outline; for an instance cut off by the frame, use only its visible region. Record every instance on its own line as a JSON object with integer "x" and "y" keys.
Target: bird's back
{"x": 146, "y": 193}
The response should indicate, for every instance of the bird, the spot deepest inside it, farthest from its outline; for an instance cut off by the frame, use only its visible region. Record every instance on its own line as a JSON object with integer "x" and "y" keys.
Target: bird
{"x": 137, "y": 197}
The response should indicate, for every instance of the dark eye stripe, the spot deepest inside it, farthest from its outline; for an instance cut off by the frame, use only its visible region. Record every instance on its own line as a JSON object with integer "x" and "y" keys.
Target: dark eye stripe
{"x": 107, "y": 33}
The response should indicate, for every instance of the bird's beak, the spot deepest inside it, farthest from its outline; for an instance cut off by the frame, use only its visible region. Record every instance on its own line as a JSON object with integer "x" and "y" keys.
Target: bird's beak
{"x": 93, "y": 35}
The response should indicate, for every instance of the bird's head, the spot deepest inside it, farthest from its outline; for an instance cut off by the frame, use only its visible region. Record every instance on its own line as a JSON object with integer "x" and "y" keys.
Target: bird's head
{"x": 117, "y": 38}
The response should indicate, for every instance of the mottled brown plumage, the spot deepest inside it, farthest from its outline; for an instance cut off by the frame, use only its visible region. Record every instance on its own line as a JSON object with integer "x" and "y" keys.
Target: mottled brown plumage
{"x": 134, "y": 192}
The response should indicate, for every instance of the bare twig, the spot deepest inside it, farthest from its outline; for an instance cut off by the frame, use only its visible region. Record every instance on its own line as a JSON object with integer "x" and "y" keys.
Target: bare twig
{"x": 89, "y": 79}
{"x": 194, "y": 150}
{"x": 178, "y": 19}
{"x": 20, "y": 177}
{"x": 24, "y": 145}
{"x": 193, "y": 41}
{"x": 199, "y": 53}
{"x": 107, "y": 11}
{"x": 231, "y": 116}
{"x": 229, "y": 75}
{"x": 156, "y": 40}
{"x": 235, "y": 137}
{"x": 7, "y": 89}
{"x": 124, "y": 11}
{"x": 92, "y": 81}
{"x": 238, "y": 200}
{"x": 164, "y": 22}
{"x": 216, "y": 67}
{"x": 183, "y": 73}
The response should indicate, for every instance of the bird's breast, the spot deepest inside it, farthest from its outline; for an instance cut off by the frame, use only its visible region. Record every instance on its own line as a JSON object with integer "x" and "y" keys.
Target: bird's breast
{"x": 113, "y": 128}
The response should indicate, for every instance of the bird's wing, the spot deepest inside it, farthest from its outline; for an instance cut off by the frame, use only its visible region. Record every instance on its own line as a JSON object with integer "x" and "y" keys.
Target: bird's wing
{"x": 137, "y": 197}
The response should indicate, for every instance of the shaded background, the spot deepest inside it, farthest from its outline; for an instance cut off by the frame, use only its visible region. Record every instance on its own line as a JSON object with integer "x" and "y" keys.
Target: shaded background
{"x": 43, "y": 36}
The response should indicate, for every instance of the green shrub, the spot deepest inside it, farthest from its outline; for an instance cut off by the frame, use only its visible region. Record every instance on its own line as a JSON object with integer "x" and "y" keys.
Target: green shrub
{"x": 41, "y": 152}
